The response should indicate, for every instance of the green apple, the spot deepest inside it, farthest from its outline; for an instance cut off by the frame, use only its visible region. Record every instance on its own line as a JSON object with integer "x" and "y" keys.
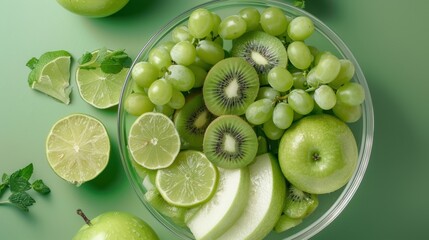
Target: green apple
{"x": 265, "y": 202}
{"x": 93, "y": 8}
{"x": 318, "y": 154}
{"x": 214, "y": 217}
{"x": 115, "y": 226}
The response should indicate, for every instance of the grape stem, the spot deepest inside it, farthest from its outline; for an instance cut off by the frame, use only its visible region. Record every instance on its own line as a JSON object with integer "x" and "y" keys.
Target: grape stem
{"x": 80, "y": 213}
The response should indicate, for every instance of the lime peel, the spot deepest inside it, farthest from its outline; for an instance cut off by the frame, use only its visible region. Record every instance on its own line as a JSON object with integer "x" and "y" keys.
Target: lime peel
{"x": 50, "y": 74}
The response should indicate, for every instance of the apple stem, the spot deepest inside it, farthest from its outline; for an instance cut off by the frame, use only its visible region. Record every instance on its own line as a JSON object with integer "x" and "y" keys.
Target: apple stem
{"x": 80, "y": 213}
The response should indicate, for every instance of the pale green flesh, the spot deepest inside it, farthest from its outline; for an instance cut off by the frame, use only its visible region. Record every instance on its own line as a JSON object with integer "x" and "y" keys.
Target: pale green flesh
{"x": 264, "y": 204}
{"x": 217, "y": 215}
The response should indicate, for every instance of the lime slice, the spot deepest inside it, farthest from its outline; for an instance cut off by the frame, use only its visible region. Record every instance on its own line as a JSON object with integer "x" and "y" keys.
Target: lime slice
{"x": 153, "y": 141}
{"x": 190, "y": 180}
{"x": 101, "y": 90}
{"x": 78, "y": 148}
{"x": 50, "y": 74}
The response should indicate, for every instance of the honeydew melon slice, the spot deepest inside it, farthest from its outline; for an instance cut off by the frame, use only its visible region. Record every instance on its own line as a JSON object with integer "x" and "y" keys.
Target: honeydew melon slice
{"x": 214, "y": 217}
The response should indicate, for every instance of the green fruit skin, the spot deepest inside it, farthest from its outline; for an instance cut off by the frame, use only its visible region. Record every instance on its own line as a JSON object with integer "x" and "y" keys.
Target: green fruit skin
{"x": 335, "y": 144}
{"x": 99, "y": 8}
{"x": 116, "y": 226}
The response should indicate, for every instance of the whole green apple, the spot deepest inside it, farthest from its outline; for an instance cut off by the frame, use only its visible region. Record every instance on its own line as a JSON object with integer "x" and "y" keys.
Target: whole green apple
{"x": 115, "y": 226}
{"x": 318, "y": 154}
{"x": 93, "y": 8}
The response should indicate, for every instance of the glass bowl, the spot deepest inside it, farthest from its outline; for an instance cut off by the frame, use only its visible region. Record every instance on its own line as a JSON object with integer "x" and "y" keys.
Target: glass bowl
{"x": 330, "y": 205}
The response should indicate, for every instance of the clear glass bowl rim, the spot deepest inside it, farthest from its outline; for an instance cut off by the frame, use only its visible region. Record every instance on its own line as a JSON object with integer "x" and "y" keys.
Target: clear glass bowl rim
{"x": 367, "y": 116}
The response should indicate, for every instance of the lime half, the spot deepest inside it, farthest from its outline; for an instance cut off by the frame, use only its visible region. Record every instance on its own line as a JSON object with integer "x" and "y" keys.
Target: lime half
{"x": 153, "y": 140}
{"x": 50, "y": 74}
{"x": 190, "y": 180}
{"x": 101, "y": 90}
{"x": 78, "y": 148}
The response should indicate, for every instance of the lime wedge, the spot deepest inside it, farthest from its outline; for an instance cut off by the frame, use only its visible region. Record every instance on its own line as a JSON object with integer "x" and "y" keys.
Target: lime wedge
{"x": 190, "y": 180}
{"x": 78, "y": 148}
{"x": 101, "y": 90}
{"x": 50, "y": 74}
{"x": 153, "y": 140}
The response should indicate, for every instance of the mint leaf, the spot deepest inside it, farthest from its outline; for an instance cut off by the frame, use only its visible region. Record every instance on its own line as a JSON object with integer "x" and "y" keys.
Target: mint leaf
{"x": 21, "y": 200}
{"x": 111, "y": 65}
{"x": 32, "y": 63}
{"x": 18, "y": 184}
{"x": 5, "y": 178}
{"x": 27, "y": 171}
{"x": 86, "y": 57}
{"x": 40, "y": 187}
{"x": 3, "y": 187}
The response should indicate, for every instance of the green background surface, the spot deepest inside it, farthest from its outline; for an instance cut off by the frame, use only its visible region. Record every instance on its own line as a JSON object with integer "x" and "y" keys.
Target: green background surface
{"x": 388, "y": 38}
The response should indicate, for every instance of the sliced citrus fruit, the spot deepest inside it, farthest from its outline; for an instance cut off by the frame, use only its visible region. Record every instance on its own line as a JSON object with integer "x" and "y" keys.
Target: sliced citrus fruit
{"x": 153, "y": 140}
{"x": 190, "y": 180}
{"x": 78, "y": 148}
{"x": 50, "y": 74}
{"x": 101, "y": 90}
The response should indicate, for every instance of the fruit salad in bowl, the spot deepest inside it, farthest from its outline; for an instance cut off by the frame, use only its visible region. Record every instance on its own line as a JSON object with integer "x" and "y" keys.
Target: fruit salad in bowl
{"x": 245, "y": 120}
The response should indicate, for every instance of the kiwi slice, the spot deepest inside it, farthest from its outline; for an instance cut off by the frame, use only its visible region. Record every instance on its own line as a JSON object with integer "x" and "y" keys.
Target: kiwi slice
{"x": 230, "y": 87}
{"x": 299, "y": 204}
{"x": 285, "y": 222}
{"x": 230, "y": 142}
{"x": 192, "y": 120}
{"x": 261, "y": 50}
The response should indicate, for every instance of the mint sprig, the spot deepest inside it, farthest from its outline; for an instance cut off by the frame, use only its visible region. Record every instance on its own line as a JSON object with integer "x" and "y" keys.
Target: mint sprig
{"x": 19, "y": 183}
{"x": 111, "y": 62}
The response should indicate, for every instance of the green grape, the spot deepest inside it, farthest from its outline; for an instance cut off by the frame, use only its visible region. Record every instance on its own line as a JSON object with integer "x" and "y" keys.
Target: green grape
{"x": 351, "y": 94}
{"x": 137, "y": 103}
{"x": 268, "y": 92}
{"x": 160, "y": 92}
{"x": 181, "y": 33}
{"x": 347, "y": 113}
{"x": 144, "y": 74}
{"x": 137, "y": 89}
{"x": 200, "y": 23}
{"x": 252, "y": 16}
{"x": 177, "y": 100}
{"x": 183, "y": 53}
{"x": 300, "y": 101}
{"x": 273, "y": 21}
{"x": 232, "y": 27}
{"x": 167, "y": 45}
{"x": 200, "y": 63}
{"x": 299, "y": 55}
{"x": 346, "y": 73}
{"x": 283, "y": 115}
{"x": 312, "y": 79}
{"x": 271, "y": 130}
{"x": 259, "y": 111}
{"x": 325, "y": 98}
{"x": 210, "y": 52}
{"x": 180, "y": 77}
{"x": 327, "y": 68}
{"x": 200, "y": 75}
{"x": 280, "y": 79}
{"x": 160, "y": 58}
{"x": 300, "y": 28}
{"x": 216, "y": 22}
{"x": 299, "y": 80}
{"x": 165, "y": 109}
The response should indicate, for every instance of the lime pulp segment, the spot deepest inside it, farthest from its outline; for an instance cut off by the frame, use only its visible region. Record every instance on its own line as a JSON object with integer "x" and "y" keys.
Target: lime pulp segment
{"x": 190, "y": 180}
{"x": 153, "y": 140}
{"x": 78, "y": 148}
